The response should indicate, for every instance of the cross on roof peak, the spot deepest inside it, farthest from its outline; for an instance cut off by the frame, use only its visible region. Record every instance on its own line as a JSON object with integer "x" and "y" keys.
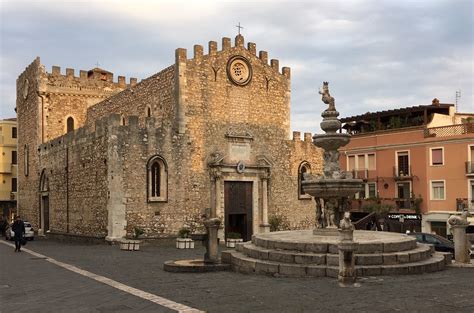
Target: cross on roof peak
{"x": 239, "y": 27}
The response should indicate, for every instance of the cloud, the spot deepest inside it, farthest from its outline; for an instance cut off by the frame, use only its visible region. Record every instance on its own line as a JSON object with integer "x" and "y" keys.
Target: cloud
{"x": 375, "y": 54}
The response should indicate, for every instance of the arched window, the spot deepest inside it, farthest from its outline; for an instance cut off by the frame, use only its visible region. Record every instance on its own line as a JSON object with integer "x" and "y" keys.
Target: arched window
{"x": 123, "y": 120}
{"x": 303, "y": 170}
{"x": 69, "y": 124}
{"x": 157, "y": 172}
{"x": 26, "y": 159}
{"x": 44, "y": 182}
{"x": 148, "y": 112}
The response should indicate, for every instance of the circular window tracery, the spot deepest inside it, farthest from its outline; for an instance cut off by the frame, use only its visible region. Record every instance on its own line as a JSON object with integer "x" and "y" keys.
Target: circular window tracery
{"x": 239, "y": 70}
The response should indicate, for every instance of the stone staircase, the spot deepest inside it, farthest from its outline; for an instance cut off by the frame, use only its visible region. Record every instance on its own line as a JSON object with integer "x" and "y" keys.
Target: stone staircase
{"x": 276, "y": 256}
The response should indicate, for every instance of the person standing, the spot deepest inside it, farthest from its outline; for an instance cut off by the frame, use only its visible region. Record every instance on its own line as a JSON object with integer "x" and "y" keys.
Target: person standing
{"x": 18, "y": 228}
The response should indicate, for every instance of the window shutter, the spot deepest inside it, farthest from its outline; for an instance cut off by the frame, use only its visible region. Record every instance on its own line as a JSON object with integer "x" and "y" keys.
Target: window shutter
{"x": 437, "y": 156}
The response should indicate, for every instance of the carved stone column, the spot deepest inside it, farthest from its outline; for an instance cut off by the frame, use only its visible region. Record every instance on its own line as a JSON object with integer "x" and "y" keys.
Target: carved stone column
{"x": 264, "y": 226}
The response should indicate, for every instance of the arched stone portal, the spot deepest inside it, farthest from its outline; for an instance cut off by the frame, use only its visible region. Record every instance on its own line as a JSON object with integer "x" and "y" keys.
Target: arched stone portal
{"x": 44, "y": 203}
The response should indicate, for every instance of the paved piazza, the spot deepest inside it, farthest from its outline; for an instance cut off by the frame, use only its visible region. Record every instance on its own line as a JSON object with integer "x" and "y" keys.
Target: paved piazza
{"x": 77, "y": 277}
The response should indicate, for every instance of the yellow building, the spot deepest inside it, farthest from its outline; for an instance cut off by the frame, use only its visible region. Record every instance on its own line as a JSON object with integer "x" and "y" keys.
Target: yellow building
{"x": 8, "y": 167}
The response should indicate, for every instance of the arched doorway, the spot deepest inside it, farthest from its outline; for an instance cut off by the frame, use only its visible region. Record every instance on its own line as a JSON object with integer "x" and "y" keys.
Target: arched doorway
{"x": 44, "y": 201}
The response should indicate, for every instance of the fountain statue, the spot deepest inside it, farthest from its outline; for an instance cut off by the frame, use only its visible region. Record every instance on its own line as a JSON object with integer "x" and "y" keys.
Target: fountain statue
{"x": 332, "y": 189}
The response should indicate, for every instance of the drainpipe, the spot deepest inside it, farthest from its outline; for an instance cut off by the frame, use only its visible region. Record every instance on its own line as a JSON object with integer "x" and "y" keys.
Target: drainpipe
{"x": 42, "y": 118}
{"x": 67, "y": 190}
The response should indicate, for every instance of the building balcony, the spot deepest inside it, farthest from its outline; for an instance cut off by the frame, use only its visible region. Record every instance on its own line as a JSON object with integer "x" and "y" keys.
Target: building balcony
{"x": 385, "y": 205}
{"x": 470, "y": 168}
{"x": 364, "y": 174}
{"x": 402, "y": 173}
{"x": 465, "y": 204}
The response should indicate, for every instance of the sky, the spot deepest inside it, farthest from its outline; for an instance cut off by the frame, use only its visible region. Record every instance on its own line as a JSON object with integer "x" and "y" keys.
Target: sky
{"x": 376, "y": 55}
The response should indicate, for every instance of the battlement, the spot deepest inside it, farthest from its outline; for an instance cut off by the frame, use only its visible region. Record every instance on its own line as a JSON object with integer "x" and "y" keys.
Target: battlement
{"x": 35, "y": 64}
{"x": 239, "y": 42}
{"x": 96, "y": 74}
{"x": 102, "y": 127}
{"x": 307, "y": 137}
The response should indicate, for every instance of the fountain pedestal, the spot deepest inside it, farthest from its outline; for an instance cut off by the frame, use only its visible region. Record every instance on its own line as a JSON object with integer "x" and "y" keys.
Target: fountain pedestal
{"x": 211, "y": 261}
{"x": 212, "y": 252}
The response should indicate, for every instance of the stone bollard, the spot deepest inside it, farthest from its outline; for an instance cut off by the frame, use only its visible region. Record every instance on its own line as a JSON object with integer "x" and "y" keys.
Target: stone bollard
{"x": 212, "y": 253}
{"x": 458, "y": 229}
{"x": 347, "y": 248}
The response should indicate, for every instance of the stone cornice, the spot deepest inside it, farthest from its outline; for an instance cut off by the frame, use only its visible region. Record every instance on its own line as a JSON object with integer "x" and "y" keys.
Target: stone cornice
{"x": 78, "y": 91}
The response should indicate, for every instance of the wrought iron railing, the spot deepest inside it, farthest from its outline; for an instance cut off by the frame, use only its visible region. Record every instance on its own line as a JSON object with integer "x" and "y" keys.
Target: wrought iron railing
{"x": 385, "y": 204}
{"x": 469, "y": 167}
{"x": 447, "y": 131}
{"x": 360, "y": 173}
{"x": 402, "y": 172}
{"x": 465, "y": 204}
{"x": 364, "y": 173}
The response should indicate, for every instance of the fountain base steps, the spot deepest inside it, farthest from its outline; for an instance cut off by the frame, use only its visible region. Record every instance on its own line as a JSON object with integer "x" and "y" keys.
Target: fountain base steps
{"x": 301, "y": 254}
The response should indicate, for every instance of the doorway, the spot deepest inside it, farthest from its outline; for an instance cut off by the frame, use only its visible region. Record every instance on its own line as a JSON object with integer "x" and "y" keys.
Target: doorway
{"x": 238, "y": 209}
{"x": 44, "y": 201}
{"x": 45, "y": 207}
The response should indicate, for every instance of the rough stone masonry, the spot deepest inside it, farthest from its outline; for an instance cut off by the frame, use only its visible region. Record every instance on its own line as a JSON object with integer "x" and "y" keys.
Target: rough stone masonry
{"x": 207, "y": 135}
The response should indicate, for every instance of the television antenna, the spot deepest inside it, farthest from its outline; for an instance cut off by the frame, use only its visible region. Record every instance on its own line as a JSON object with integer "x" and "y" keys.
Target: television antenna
{"x": 458, "y": 95}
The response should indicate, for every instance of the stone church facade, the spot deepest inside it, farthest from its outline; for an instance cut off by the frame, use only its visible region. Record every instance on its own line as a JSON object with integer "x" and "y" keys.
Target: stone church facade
{"x": 207, "y": 135}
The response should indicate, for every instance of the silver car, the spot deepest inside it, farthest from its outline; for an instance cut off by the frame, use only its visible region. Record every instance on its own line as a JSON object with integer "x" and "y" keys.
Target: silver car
{"x": 29, "y": 232}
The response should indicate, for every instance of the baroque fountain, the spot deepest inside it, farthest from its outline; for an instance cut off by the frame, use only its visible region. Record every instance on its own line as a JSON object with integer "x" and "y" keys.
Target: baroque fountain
{"x": 333, "y": 249}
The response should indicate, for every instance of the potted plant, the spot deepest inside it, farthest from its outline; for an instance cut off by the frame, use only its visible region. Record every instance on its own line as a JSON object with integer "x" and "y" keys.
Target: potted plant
{"x": 132, "y": 244}
{"x": 184, "y": 241}
{"x": 232, "y": 239}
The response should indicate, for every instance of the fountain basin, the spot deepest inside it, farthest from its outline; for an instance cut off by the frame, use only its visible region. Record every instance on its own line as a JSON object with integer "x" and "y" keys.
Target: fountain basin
{"x": 302, "y": 254}
{"x": 332, "y": 188}
{"x": 331, "y": 141}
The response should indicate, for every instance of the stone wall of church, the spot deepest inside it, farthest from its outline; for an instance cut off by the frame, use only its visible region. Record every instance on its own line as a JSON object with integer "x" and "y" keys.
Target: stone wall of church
{"x": 67, "y": 95}
{"x": 285, "y": 201}
{"x": 76, "y": 165}
{"x": 154, "y": 92}
{"x": 136, "y": 146}
{"x": 28, "y": 112}
{"x": 215, "y": 107}
{"x": 196, "y": 112}
{"x": 51, "y": 99}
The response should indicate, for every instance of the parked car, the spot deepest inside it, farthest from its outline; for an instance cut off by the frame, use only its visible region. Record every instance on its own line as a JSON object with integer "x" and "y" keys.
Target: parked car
{"x": 29, "y": 232}
{"x": 440, "y": 243}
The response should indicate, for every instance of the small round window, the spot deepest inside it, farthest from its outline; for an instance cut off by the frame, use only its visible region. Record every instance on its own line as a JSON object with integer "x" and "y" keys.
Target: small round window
{"x": 239, "y": 70}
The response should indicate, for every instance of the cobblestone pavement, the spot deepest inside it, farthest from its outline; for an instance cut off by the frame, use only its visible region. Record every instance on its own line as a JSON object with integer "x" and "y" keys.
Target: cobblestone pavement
{"x": 29, "y": 284}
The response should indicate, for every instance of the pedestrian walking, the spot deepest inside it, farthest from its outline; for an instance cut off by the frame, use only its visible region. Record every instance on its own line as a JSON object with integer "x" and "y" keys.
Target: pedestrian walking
{"x": 18, "y": 228}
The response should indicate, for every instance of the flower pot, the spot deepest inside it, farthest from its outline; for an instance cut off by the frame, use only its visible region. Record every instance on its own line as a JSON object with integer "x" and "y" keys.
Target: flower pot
{"x": 184, "y": 243}
{"x": 130, "y": 245}
{"x": 230, "y": 243}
